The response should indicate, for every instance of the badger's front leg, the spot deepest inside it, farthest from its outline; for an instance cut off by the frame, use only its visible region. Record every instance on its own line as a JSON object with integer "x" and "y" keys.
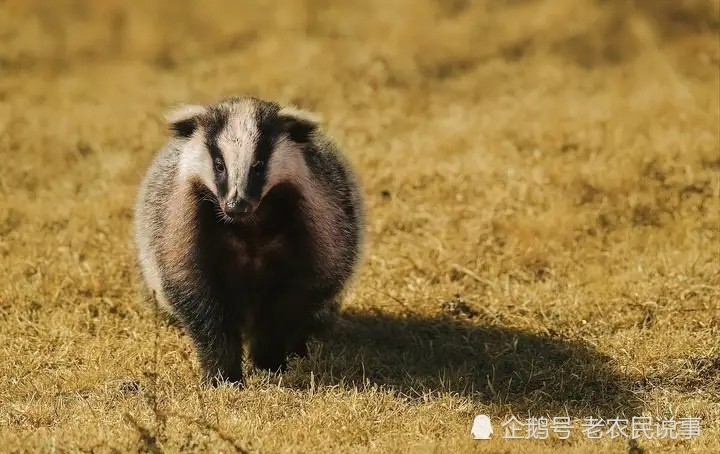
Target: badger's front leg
{"x": 219, "y": 350}
{"x": 215, "y": 331}
{"x": 281, "y": 328}
{"x": 270, "y": 345}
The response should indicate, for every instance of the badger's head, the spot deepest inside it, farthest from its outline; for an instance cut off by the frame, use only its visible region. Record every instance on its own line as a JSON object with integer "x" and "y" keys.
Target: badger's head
{"x": 240, "y": 148}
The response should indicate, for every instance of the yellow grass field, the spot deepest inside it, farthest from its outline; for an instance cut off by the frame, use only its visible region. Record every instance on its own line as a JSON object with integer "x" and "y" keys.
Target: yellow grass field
{"x": 542, "y": 181}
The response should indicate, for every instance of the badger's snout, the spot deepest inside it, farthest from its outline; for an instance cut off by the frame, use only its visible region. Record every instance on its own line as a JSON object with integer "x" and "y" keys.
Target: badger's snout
{"x": 238, "y": 208}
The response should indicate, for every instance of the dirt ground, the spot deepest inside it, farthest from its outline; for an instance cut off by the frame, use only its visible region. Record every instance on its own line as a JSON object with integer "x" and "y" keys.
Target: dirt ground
{"x": 543, "y": 187}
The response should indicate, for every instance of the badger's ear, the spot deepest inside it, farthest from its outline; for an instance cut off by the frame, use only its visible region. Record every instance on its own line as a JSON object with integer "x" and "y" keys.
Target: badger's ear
{"x": 298, "y": 124}
{"x": 183, "y": 120}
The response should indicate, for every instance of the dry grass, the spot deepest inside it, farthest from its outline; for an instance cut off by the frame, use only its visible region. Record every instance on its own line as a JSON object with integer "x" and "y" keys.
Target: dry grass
{"x": 543, "y": 183}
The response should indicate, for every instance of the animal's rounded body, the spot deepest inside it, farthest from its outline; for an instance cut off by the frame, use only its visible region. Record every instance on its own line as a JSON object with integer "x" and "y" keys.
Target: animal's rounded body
{"x": 248, "y": 225}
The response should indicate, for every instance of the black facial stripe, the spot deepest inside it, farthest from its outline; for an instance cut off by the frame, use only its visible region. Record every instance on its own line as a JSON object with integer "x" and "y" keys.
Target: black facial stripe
{"x": 258, "y": 172}
{"x": 268, "y": 130}
{"x": 214, "y": 124}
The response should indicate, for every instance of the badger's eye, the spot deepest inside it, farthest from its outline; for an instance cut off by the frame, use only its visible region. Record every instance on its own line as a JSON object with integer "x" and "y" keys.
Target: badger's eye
{"x": 258, "y": 166}
{"x": 219, "y": 166}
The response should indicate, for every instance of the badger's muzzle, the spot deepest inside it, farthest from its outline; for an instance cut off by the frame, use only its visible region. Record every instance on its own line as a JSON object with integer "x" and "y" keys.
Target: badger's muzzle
{"x": 238, "y": 208}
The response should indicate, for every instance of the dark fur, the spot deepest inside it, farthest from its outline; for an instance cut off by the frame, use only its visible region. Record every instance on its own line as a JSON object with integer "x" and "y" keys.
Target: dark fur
{"x": 254, "y": 281}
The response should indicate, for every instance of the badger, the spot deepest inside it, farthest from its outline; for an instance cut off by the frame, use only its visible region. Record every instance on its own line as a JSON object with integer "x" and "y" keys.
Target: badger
{"x": 248, "y": 225}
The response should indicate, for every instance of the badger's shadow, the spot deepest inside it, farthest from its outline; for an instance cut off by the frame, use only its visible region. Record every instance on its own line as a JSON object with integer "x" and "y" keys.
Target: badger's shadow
{"x": 521, "y": 371}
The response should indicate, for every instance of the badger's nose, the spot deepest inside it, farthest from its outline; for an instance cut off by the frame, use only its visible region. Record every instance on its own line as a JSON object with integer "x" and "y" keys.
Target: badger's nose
{"x": 238, "y": 208}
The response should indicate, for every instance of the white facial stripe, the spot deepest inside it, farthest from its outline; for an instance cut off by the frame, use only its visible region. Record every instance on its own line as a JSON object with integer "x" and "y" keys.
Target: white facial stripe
{"x": 286, "y": 164}
{"x": 237, "y": 144}
{"x": 195, "y": 161}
